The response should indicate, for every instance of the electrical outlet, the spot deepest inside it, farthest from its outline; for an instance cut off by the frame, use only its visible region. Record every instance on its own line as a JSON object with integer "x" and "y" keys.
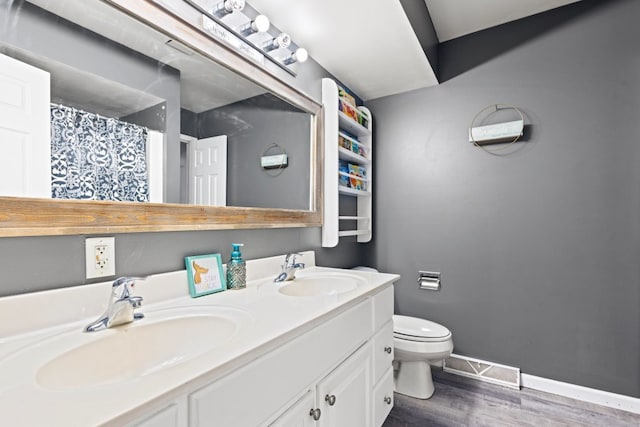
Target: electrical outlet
{"x": 102, "y": 261}
{"x": 100, "y": 257}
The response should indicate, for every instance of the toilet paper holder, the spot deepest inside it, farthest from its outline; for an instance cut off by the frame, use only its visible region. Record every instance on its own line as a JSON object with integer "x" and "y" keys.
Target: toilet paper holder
{"x": 429, "y": 280}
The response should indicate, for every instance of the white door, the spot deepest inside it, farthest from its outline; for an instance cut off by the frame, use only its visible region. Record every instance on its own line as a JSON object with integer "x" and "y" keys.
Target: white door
{"x": 208, "y": 171}
{"x": 25, "y": 135}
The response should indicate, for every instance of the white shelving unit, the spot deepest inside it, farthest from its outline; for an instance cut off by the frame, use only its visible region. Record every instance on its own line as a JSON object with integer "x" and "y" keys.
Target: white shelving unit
{"x": 336, "y": 222}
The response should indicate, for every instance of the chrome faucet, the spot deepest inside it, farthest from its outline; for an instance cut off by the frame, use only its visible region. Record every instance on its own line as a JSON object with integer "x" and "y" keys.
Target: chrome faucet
{"x": 289, "y": 268}
{"x": 121, "y": 306}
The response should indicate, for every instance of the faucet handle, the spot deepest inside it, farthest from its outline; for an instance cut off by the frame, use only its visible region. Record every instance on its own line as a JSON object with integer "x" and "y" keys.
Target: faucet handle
{"x": 292, "y": 257}
{"x": 122, "y": 286}
{"x": 136, "y": 302}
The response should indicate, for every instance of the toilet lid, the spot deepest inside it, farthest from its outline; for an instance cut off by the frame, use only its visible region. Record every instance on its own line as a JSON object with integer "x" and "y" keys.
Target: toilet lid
{"x": 415, "y": 328}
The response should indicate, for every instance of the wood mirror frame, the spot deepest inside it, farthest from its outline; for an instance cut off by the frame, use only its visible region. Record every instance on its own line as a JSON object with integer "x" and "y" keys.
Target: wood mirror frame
{"x": 41, "y": 217}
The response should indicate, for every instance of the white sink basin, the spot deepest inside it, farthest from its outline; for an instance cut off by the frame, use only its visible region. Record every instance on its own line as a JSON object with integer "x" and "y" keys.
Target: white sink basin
{"x": 162, "y": 340}
{"x": 314, "y": 284}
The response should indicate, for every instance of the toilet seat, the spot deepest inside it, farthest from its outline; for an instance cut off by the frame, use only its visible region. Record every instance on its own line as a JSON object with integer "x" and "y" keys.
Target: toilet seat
{"x": 419, "y": 330}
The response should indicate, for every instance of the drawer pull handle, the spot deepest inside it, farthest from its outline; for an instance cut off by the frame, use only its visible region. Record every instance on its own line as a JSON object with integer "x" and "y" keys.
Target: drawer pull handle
{"x": 388, "y": 349}
{"x": 331, "y": 400}
{"x": 315, "y": 414}
{"x": 387, "y": 400}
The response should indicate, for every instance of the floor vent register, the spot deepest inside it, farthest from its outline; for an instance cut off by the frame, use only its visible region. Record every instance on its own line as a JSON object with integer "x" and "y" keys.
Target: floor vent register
{"x": 507, "y": 376}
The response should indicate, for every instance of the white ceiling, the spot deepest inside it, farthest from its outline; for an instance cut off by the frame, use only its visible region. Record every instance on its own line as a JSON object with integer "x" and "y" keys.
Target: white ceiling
{"x": 370, "y": 45}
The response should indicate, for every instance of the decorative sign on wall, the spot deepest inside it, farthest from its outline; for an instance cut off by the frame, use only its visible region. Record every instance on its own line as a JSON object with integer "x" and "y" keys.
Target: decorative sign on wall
{"x": 509, "y": 131}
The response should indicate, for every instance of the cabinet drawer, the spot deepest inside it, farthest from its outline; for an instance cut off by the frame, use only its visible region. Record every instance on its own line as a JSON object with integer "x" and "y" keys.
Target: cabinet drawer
{"x": 269, "y": 383}
{"x": 382, "y": 308}
{"x": 383, "y": 398}
{"x": 382, "y": 351}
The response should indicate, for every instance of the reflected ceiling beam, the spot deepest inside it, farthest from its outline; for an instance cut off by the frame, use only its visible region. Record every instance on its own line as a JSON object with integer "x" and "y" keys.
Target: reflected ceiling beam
{"x": 422, "y": 24}
{"x": 81, "y": 89}
{"x": 204, "y": 84}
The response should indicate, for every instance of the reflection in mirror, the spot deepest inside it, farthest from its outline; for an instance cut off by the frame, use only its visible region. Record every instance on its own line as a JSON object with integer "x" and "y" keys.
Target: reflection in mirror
{"x": 134, "y": 115}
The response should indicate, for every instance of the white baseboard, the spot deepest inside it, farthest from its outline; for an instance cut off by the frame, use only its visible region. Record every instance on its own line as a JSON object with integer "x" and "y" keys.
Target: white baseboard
{"x": 585, "y": 394}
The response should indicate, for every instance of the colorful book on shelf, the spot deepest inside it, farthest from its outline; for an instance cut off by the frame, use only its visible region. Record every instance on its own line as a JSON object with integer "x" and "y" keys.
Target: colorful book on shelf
{"x": 351, "y": 143}
{"x": 353, "y": 112}
{"x": 342, "y": 93}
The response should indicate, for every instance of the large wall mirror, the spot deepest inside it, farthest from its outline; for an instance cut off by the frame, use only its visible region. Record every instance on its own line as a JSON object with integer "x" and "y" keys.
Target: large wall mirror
{"x": 149, "y": 125}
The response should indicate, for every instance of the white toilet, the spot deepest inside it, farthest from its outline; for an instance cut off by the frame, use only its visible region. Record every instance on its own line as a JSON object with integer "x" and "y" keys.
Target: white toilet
{"x": 416, "y": 343}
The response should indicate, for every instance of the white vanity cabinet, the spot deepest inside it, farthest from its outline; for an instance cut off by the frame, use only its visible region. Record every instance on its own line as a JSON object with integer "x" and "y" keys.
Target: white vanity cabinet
{"x": 253, "y": 394}
{"x": 257, "y": 357}
{"x": 359, "y": 392}
{"x": 336, "y": 373}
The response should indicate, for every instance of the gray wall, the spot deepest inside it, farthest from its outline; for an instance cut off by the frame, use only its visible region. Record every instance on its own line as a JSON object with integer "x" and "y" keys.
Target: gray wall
{"x": 153, "y": 118}
{"x": 60, "y": 260}
{"x": 538, "y": 248}
{"x": 252, "y": 126}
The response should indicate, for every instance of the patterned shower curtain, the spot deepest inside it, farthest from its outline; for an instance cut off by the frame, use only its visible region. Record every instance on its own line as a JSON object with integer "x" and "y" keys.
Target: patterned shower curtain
{"x": 97, "y": 158}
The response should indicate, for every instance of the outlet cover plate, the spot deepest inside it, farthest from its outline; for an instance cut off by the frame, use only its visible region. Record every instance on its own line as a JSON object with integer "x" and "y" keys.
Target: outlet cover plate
{"x": 100, "y": 263}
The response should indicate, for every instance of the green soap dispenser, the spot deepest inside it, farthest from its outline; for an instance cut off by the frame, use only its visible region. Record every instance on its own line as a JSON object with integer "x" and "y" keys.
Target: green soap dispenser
{"x": 236, "y": 269}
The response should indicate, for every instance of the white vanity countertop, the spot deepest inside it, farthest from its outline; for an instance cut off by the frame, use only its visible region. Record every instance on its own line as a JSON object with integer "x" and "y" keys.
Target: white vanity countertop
{"x": 28, "y": 322}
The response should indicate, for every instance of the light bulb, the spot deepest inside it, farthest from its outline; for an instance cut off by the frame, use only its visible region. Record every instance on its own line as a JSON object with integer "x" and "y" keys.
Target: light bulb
{"x": 259, "y": 25}
{"x": 227, "y": 7}
{"x": 300, "y": 55}
{"x": 234, "y": 5}
{"x": 282, "y": 41}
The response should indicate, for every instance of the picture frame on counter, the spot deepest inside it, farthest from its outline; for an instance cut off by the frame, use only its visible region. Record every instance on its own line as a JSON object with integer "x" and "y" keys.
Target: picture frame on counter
{"x": 205, "y": 274}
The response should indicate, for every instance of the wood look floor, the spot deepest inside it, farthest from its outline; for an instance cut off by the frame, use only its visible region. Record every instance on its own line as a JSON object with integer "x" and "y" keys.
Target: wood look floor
{"x": 460, "y": 401}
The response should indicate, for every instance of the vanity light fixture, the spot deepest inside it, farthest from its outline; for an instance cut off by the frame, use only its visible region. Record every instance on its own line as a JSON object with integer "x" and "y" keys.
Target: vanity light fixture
{"x": 228, "y": 6}
{"x": 300, "y": 55}
{"x": 282, "y": 41}
{"x": 240, "y": 34}
{"x": 260, "y": 24}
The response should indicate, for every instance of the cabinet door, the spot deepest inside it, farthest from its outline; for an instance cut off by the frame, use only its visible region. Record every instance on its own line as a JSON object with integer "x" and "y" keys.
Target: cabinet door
{"x": 299, "y": 415}
{"x": 344, "y": 396}
{"x": 383, "y": 398}
{"x": 382, "y": 351}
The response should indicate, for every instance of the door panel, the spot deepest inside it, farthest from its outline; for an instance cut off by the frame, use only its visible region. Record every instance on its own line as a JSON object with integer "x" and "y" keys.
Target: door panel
{"x": 208, "y": 171}
{"x": 25, "y": 135}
